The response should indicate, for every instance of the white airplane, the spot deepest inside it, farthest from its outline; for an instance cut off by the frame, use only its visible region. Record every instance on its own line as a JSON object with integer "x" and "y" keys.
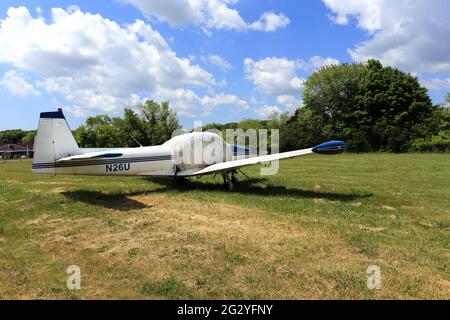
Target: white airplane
{"x": 56, "y": 152}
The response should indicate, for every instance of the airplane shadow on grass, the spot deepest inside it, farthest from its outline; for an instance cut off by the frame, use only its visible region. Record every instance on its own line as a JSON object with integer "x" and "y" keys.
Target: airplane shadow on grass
{"x": 251, "y": 187}
{"x": 115, "y": 201}
{"x": 123, "y": 202}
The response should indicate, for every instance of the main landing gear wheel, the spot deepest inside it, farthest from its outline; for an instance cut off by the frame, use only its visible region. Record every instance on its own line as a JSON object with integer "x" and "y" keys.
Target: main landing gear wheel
{"x": 229, "y": 181}
{"x": 181, "y": 182}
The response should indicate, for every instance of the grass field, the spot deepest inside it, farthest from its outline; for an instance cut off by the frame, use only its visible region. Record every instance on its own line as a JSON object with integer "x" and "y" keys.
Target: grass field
{"x": 310, "y": 232}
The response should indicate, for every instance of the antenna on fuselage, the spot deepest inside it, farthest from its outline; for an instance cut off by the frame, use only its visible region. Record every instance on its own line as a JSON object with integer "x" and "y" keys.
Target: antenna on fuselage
{"x": 136, "y": 140}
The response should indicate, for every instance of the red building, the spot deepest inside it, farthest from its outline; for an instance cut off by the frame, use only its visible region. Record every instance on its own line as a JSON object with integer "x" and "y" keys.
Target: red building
{"x": 16, "y": 150}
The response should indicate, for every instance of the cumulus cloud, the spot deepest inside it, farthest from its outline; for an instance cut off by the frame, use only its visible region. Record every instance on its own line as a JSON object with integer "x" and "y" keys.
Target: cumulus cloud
{"x": 72, "y": 8}
{"x": 367, "y": 12}
{"x": 274, "y": 76}
{"x": 318, "y": 62}
{"x": 267, "y": 111}
{"x": 409, "y": 34}
{"x": 279, "y": 76}
{"x": 218, "y": 61}
{"x": 270, "y": 22}
{"x": 185, "y": 100}
{"x": 223, "y": 100}
{"x": 437, "y": 84}
{"x": 18, "y": 86}
{"x": 209, "y": 14}
{"x": 175, "y": 12}
{"x": 279, "y": 79}
{"x": 93, "y": 62}
{"x": 291, "y": 103}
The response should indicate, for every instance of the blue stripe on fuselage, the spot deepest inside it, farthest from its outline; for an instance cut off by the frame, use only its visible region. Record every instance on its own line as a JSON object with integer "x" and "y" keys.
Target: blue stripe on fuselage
{"x": 79, "y": 163}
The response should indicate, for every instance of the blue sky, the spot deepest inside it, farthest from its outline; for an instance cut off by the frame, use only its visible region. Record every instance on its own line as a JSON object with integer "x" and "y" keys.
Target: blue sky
{"x": 214, "y": 60}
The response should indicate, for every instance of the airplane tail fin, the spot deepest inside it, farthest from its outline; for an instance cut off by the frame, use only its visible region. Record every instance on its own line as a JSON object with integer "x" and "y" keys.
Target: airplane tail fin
{"x": 54, "y": 140}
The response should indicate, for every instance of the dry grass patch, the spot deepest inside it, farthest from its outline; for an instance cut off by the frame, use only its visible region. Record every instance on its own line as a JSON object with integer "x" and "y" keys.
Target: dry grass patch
{"x": 223, "y": 251}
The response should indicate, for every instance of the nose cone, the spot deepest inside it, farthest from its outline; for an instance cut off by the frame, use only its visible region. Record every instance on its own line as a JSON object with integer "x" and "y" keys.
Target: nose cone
{"x": 332, "y": 147}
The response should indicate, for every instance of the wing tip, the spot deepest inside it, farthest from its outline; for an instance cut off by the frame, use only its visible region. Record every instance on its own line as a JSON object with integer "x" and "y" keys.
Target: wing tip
{"x": 331, "y": 148}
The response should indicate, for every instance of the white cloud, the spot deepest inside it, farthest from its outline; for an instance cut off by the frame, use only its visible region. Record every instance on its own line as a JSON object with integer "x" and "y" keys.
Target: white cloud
{"x": 367, "y": 12}
{"x": 267, "y": 111}
{"x": 274, "y": 76}
{"x": 72, "y": 8}
{"x": 93, "y": 62}
{"x": 185, "y": 102}
{"x": 437, "y": 84}
{"x": 175, "y": 12}
{"x": 219, "y": 15}
{"x": 219, "y": 61}
{"x": 209, "y": 14}
{"x": 270, "y": 21}
{"x": 17, "y": 85}
{"x": 318, "y": 62}
{"x": 409, "y": 34}
{"x": 291, "y": 103}
{"x": 223, "y": 100}
{"x": 279, "y": 76}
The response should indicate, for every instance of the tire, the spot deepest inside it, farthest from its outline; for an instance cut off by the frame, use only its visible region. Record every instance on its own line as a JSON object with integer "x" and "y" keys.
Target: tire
{"x": 230, "y": 185}
{"x": 181, "y": 182}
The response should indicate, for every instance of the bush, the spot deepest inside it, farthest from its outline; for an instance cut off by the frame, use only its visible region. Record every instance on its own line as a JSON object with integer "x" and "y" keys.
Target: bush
{"x": 438, "y": 143}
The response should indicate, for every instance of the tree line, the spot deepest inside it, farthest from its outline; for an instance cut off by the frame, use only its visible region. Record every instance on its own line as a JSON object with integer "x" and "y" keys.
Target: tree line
{"x": 371, "y": 107}
{"x": 17, "y": 136}
{"x": 152, "y": 124}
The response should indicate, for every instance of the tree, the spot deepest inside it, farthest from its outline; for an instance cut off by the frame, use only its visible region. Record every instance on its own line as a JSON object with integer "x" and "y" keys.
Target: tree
{"x": 153, "y": 125}
{"x": 437, "y": 138}
{"x": 331, "y": 99}
{"x": 369, "y": 106}
{"x": 160, "y": 121}
{"x": 29, "y": 137}
{"x": 396, "y": 107}
{"x": 131, "y": 126}
{"x": 17, "y": 136}
{"x": 99, "y": 132}
{"x": 301, "y": 131}
{"x": 12, "y": 136}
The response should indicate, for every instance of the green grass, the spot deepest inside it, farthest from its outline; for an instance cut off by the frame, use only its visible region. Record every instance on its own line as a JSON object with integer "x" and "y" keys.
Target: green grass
{"x": 309, "y": 232}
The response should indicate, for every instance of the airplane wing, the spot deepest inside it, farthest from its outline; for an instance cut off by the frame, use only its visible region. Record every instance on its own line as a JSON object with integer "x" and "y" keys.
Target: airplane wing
{"x": 91, "y": 155}
{"x": 329, "y": 148}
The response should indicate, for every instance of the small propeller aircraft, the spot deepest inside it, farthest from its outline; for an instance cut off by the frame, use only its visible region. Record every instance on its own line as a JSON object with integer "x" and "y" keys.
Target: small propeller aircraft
{"x": 56, "y": 152}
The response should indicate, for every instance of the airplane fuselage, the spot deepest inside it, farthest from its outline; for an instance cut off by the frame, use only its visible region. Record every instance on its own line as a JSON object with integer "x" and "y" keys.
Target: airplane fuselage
{"x": 144, "y": 161}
